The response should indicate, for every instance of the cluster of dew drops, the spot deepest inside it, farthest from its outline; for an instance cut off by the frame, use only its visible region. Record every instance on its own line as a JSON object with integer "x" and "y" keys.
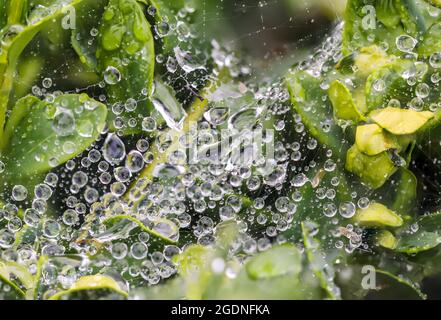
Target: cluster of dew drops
{"x": 193, "y": 197}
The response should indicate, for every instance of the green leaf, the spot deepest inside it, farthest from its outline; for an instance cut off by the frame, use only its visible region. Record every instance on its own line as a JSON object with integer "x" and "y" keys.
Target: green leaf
{"x": 126, "y": 43}
{"x": 427, "y": 236}
{"x": 44, "y": 135}
{"x": 396, "y": 287}
{"x": 85, "y": 44}
{"x": 274, "y": 262}
{"x": 13, "y": 47}
{"x": 18, "y": 112}
{"x": 343, "y": 103}
{"x": 406, "y": 193}
{"x": 86, "y": 284}
{"x": 374, "y": 171}
{"x": 401, "y": 121}
{"x": 307, "y": 100}
{"x": 431, "y": 42}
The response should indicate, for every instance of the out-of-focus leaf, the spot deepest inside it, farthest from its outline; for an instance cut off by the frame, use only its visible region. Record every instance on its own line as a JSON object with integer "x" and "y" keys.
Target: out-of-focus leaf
{"x": 390, "y": 286}
{"x": 3, "y": 15}
{"x": 383, "y": 284}
{"x": 17, "y": 11}
{"x": 88, "y": 284}
{"x": 28, "y": 72}
{"x": 17, "y": 277}
{"x": 274, "y": 262}
{"x": 436, "y": 3}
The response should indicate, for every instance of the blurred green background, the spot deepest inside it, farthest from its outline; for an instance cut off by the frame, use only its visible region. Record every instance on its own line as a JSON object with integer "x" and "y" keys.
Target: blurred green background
{"x": 275, "y": 33}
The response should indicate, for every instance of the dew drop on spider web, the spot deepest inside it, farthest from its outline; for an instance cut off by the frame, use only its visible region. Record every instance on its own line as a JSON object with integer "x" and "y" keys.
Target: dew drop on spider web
{"x": 112, "y": 75}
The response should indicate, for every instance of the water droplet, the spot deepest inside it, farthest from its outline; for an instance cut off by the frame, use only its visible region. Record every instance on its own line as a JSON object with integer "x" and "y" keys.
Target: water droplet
{"x": 149, "y": 124}
{"x": 244, "y": 119}
{"x": 51, "y": 229}
{"x": 329, "y": 209}
{"x": 64, "y": 122}
{"x": 162, "y": 29}
{"x": 299, "y": 180}
{"x": 186, "y": 61}
{"x": 47, "y": 83}
{"x": 112, "y": 75}
{"x": 406, "y": 43}
{"x": 19, "y": 193}
{"x": 138, "y": 250}
{"x": 114, "y": 150}
{"x": 435, "y": 60}
{"x": 217, "y": 116}
{"x": 346, "y": 209}
{"x": 172, "y": 112}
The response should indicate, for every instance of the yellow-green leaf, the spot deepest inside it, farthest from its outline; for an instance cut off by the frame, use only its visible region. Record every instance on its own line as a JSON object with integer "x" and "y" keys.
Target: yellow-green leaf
{"x": 343, "y": 103}
{"x": 371, "y": 139}
{"x": 370, "y": 59}
{"x": 401, "y": 121}
{"x": 386, "y": 240}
